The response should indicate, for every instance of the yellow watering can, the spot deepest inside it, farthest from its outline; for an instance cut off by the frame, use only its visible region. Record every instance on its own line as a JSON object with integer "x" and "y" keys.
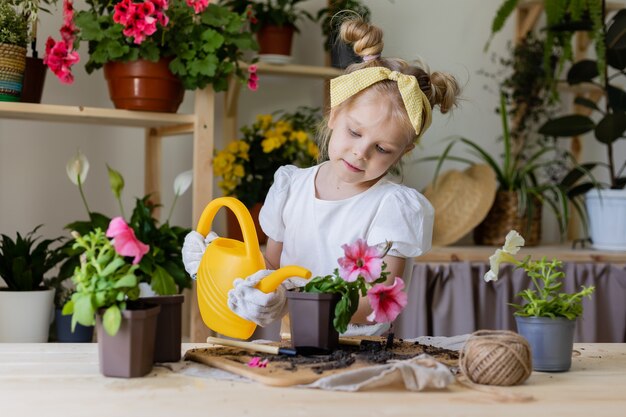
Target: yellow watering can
{"x": 226, "y": 260}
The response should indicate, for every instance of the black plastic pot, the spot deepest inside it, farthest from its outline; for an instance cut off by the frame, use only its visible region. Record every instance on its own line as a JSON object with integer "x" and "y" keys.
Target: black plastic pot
{"x": 64, "y": 334}
{"x": 168, "y": 332}
{"x": 311, "y": 321}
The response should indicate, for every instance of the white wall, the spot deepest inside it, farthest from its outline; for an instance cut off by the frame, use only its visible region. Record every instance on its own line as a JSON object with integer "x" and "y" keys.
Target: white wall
{"x": 34, "y": 189}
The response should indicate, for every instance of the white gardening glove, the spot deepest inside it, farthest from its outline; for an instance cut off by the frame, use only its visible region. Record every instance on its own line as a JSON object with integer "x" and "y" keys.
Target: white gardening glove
{"x": 254, "y": 305}
{"x": 193, "y": 248}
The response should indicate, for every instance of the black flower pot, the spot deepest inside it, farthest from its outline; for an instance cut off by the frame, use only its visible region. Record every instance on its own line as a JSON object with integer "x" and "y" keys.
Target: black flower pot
{"x": 63, "y": 326}
{"x": 311, "y": 319}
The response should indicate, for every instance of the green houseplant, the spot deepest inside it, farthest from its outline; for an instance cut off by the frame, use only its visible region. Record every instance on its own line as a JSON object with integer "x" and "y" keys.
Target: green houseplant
{"x": 330, "y": 18}
{"x": 26, "y": 303}
{"x": 13, "y": 38}
{"x": 274, "y": 22}
{"x": 324, "y": 306}
{"x": 548, "y": 316}
{"x": 106, "y": 286}
{"x": 608, "y": 130}
{"x": 200, "y": 43}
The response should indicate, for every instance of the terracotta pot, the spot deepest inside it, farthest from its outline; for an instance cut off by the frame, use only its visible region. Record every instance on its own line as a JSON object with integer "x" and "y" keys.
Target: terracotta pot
{"x": 275, "y": 40}
{"x": 168, "y": 332}
{"x": 34, "y": 79}
{"x": 234, "y": 231}
{"x": 311, "y": 321}
{"x": 144, "y": 85}
{"x": 504, "y": 217}
{"x": 130, "y": 352}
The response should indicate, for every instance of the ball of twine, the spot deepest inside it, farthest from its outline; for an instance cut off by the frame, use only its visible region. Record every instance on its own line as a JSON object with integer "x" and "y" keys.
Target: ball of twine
{"x": 496, "y": 357}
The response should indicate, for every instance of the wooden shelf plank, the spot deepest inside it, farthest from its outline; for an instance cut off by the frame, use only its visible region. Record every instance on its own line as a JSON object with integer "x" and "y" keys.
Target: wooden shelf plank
{"x": 295, "y": 70}
{"x": 610, "y": 5}
{"x": 91, "y": 115}
{"x": 482, "y": 254}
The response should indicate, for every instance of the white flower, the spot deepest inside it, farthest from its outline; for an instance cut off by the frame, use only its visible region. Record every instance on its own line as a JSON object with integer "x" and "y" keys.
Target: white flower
{"x": 513, "y": 242}
{"x": 494, "y": 262}
{"x": 77, "y": 167}
{"x": 182, "y": 182}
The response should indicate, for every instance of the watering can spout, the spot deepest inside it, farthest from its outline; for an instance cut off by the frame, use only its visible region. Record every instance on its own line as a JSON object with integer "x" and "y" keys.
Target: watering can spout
{"x": 225, "y": 260}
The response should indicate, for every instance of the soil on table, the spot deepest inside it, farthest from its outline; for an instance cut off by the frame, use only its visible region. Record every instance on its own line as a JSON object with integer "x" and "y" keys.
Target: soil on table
{"x": 372, "y": 351}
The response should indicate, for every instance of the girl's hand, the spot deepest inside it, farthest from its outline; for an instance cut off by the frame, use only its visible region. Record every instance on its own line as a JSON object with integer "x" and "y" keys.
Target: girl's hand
{"x": 193, "y": 248}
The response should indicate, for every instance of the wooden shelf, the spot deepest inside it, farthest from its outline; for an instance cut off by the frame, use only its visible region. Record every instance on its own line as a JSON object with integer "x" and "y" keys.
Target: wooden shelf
{"x": 528, "y": 4}
{"x": 168, "y": 123}
{"x": 295, "y": 70}
{"x": 482, "y": 253}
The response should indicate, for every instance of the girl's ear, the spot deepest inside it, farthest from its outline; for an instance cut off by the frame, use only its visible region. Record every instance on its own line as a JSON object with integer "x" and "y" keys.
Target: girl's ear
{"x": 408, "y": 149}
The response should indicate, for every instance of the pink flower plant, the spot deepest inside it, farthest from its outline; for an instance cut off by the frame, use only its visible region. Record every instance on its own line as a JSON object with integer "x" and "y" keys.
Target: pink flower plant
{"x": 124, "y": 240}
{"x": 256, "y": 362}
{"x": 362, "y": 273}
{"x": 60, "y": 55}
{"x": 253, "y": 78}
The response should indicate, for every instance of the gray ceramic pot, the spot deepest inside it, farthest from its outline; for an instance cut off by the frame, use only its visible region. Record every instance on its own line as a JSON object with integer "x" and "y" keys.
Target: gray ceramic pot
{"x": 551, "y": 341}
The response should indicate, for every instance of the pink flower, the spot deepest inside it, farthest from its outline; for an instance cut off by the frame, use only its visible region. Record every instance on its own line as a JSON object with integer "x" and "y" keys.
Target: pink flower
{"x": 59, "y": 57}
{"x": 125, "y": 241}
{"x": 198, "y": 5}
{"x": 386, "y": 301}
{"x": 256, "y": 362}
{"x": 360, "y": 259}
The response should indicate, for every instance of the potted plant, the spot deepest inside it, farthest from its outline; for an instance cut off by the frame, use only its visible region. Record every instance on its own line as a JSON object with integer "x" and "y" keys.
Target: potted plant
{"x": 548, "y": 317}
{"x": 274, "y": 22}
{"x": 13, "y": 38}
{"x": 62, "y": 331}
{"x": 185, "y": 44}
{"x": 341, "y": 55}
{"x": 247, "y": 166}
{"x": 160, "y": 271}
{"x": 521, "y": 190}
{"x": 322, "y": 309}
{"x": 606, "y": 203}
{"x": 106, "y": 286}
{"x": 26, "y": 302}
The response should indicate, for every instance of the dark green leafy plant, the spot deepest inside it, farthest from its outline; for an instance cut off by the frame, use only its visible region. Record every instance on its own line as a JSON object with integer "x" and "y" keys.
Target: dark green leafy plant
{"x": 612, "y": 124}
{"x": 13, "y": 25}
{"x": 332, "y": 16}
{"x": 270, "y": 12}
{"x": 204, "y": 48}
{"x": 24, "y": 261}
{"x": 103, "y": 280}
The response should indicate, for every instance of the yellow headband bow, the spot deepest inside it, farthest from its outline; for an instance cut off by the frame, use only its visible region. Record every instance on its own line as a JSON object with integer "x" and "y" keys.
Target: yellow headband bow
{"x": 415, "y": 101}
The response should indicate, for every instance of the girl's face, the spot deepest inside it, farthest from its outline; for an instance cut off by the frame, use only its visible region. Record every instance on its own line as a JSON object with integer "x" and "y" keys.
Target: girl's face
{"x": 366, "y": 141}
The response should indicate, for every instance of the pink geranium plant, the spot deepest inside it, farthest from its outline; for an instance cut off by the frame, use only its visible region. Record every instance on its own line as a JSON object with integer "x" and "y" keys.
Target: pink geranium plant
{"x": 361, "y": 273}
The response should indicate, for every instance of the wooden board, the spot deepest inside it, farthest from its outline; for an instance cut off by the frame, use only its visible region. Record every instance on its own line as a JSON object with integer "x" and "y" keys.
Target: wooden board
{"x": 287, "y": 371}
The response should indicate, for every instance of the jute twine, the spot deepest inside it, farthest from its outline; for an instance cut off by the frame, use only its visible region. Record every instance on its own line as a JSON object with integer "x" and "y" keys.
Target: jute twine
{"x": 496, "y": 357}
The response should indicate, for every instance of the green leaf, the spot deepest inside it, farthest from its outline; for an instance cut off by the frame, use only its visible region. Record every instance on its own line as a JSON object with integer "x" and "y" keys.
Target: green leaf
{"x": 162, "y": 282}
{"x": 567, "y": 126}
{"x": 111, "y": 320}
{"x": 617, "y": 98}
{"x": 585, "y": 102}
{"x": 129, "y": 280}
{"x": 582, "y": 71}
{"x": 112, "y": 266}
{"x": 83, "y": 310}
{"x": 116, "y": 181}
{"x": 611, "y": 127}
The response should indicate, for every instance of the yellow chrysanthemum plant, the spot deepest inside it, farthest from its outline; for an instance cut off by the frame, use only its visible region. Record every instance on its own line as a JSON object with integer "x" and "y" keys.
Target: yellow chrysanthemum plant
{"x": 246, "y": 166}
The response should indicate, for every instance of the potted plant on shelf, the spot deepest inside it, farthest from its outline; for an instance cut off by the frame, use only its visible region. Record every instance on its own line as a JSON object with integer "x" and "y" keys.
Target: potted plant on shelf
{"x": 606, "y": 203}
{"x": 341, "y": 55}
{"x": 247, "y": 166}
{"x": 160, "y": 272}
{"x": 26, "y": 303}
{"x": 274, "y": 22}
{"x": 63, "y": 332}
{"x": 548, "y": 317}
{"x": 521, "y": 190}
{"x": 181, "y": 44}
{"x": 107, "y": 287}
{"x": 322, "y": 309}
{"x": 13, "y": 39}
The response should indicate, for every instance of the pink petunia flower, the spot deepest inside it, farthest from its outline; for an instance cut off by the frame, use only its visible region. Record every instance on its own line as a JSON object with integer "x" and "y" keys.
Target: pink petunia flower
{"x": 360, "y": 259}
{"x": 256, "y": 362}
{"x": 125, "y": 241}
{"x": 387, "y": 301}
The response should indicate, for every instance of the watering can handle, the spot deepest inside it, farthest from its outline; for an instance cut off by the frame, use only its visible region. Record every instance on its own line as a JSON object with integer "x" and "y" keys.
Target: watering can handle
{"x": 244, "y": 219}
{"x": 273, "y": 280}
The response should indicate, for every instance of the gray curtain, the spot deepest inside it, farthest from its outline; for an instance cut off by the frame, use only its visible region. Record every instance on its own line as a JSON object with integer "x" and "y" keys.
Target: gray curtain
{"x": 452, "y": 299}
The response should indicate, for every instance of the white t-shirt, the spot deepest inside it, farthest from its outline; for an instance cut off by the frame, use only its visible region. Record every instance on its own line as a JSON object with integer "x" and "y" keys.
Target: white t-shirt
{"x": 312, "y": 230}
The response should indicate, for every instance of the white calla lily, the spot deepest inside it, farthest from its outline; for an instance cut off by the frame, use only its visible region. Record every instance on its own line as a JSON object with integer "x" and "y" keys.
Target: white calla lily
{"x": 182, "y": 182}
{"x": 77, "y": 167}
{"x": 513, "y": 242}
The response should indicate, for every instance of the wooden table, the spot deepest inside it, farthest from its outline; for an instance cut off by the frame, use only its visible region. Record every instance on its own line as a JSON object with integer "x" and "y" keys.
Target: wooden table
{"x": 63, "y": 380}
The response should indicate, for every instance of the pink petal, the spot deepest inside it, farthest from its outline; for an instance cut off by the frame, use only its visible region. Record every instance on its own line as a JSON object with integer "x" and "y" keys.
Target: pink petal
{"x": 387, "y": 301}
{"x": 117, "y": 226}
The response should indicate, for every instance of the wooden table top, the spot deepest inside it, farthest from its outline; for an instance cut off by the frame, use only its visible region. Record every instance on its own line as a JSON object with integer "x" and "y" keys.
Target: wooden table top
{"x": 64, "y": 380}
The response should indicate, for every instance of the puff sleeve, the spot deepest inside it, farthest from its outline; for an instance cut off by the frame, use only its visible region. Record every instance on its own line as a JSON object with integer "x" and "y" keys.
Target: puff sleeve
{"x": 406, "y": 218}
{"x": 271, "y": 215}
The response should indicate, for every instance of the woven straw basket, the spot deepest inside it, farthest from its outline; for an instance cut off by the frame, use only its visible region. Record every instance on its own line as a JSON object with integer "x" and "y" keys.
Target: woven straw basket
{"x": 12, "y": 65}
{"x": 504, "y": 216}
